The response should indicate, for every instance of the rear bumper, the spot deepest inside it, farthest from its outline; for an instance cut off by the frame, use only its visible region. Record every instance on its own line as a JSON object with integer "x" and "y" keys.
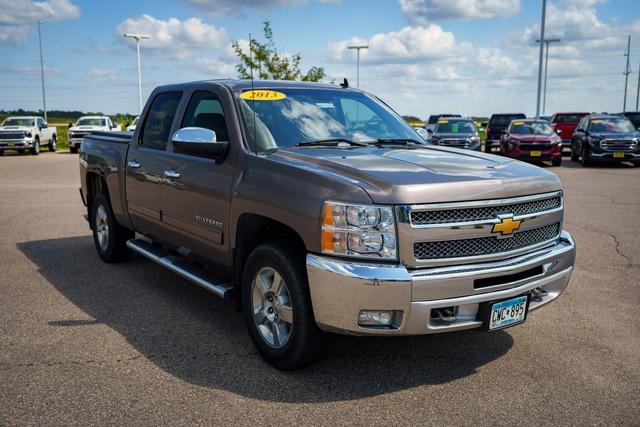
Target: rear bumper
{"x": 341, "y": 289}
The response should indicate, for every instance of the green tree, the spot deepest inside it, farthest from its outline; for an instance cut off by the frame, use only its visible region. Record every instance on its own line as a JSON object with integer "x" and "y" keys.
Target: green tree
{"x": 268, "y": 64}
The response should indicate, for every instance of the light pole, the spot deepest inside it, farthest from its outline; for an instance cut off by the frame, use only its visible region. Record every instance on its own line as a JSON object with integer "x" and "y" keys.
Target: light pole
{"x": 138, "y": 37}
{"x": 544, "y": 11}
{"x": 44, "y": 98}
{"x": 546, "y": 65}
{"x": 627, "y": 71}
{"x": 638, "y": 88}
{"x": 358, "y": 48}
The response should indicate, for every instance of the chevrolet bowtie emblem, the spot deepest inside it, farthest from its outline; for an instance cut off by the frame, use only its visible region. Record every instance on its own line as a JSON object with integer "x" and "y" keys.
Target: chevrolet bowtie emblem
{"x": 506, "y": 226}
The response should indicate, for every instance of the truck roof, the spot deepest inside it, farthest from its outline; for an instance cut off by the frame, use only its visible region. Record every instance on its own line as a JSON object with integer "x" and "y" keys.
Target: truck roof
{"x": 24, "y": 117}
{"x": 238, "y": 84}
{"x": 93, "y": 117}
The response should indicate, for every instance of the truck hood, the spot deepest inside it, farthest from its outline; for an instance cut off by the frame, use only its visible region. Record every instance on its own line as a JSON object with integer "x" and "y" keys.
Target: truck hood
{"x": 15, "y": 128}
{"x": 87, "y": 128}
{"x": 431, "y": 174}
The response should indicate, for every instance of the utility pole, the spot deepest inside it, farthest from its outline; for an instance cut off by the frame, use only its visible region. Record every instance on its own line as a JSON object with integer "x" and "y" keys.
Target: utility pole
{"x": 626, "y": 73}
{"x": 638, "y": 89}
{"x": 546, "y": 65}
{"x": 44, "y": 98}
{"x": 544, "y": 12}
{"x": 358, "y": 48}
{"x": 138, "y": 37}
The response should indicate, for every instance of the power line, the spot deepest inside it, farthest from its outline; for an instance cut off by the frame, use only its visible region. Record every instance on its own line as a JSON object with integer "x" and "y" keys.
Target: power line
{"x": 626, "y": 73}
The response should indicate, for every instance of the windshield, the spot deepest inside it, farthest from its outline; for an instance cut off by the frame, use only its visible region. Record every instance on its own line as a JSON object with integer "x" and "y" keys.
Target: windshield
{"x": 531, "y": 128}
{"x": 568, "y": 118}
{"x": 454, "y": 126}
{"x": 505, "y": 119}
{"x": 611, "y": 124}
{"x": 16, "y": 121}
{"x": 91, "y": 122}
{"x": 287, "y": 117}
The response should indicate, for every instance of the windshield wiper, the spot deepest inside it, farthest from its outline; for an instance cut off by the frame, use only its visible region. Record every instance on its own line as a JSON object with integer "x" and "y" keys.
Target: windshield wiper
{"x": 330, "y": 142}
{"x": 397, "y": 141}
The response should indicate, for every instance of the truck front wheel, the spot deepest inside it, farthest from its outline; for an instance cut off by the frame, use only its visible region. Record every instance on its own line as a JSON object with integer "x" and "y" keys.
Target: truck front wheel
{"x": 35, "y": 150}
{"x": 277, "y": 305}
{"x": 53, "y": 144}
{"x": 109, "y": 237}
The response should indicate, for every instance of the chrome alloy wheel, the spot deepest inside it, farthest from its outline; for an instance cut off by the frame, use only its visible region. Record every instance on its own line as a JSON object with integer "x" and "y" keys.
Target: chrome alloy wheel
{"x": 271, "y": 305}
{"x": 102, "y": 227}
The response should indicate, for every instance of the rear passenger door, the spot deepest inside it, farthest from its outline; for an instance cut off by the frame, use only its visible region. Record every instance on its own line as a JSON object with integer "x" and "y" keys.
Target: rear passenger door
{"x": 146, "y": 162}
{"x": 197, "y": 198}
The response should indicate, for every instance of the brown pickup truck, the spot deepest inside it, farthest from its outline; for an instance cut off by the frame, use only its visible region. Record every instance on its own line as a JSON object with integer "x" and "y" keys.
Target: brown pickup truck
{"x": 318, "y": 209}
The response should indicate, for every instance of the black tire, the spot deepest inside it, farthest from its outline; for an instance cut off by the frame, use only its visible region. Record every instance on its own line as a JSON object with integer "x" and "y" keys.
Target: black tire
{"x": 556, "y": 161}
{"x": 21, "y": 151}
{"x": 306, "y": 342}
{"x": 53, "y": 144}
{"x": 1, "y": 153}
{"x": 574, "y": 156}
{"x": 73, "y": 150}
{"x": 487, "y": 148}
{"x": 586, "y": 160}
{"x": 35, "y": 150}
{"x": 115, "y": 248}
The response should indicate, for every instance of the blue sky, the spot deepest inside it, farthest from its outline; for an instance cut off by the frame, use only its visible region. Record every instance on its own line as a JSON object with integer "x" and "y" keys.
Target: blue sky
{"x": 426, "y": 56}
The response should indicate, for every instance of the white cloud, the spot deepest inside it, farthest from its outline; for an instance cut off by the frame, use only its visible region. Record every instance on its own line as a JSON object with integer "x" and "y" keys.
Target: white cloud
{"x": 420, "y": 12}
{"x": 173, "y": 38}
{"x": 17, "y": 17}
{"x": 102, "y": 74}
{"x": 216, "y": 68}
{"x": 408, "y": 44}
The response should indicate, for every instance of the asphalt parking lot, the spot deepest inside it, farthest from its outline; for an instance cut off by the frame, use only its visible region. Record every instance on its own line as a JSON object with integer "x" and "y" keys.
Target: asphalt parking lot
{"x": 86, "y": 342}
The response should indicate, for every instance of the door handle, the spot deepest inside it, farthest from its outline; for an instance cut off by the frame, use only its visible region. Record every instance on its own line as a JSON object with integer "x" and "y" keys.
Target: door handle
{"x": 133, "y": 164}
{"x": 172, "y": 174}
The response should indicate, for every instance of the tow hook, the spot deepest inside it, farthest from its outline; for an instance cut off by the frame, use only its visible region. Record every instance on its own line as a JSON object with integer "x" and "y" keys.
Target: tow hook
{"x": 445, "y": 314}
{"x": 537, "y": 294}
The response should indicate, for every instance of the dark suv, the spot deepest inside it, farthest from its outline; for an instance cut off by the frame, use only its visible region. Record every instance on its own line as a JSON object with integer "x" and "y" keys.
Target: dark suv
{"x": 634, "y": 116}
{"x": 605, "y": 138}
{"x": 433, "y": 120}
{"x": 498, "y": 124}
{"x": 456, "y": 132}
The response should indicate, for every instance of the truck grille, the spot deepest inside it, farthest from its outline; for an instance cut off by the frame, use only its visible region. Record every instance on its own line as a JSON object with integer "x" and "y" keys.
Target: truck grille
{"x": 454, "y": 142}
{"x": 618, "y": 145}
{"x": 484, "y": 245}
{"x": 483, "y": 213}
{"x": 11, "y": 135}
{"x": 78, "y": 135}
{"x": 538, "y": 146}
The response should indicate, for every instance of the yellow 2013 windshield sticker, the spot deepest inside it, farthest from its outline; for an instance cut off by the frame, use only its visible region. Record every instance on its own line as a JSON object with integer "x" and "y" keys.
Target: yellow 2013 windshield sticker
{"x": 443, "y": 121}
{"x": 518, "y": 123}
{"x": 596, "y": 121}
{"x": 262, "y": 95}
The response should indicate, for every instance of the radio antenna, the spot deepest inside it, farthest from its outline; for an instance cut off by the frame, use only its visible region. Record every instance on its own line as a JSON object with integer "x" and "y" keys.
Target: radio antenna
{"x": 253, "y": 97}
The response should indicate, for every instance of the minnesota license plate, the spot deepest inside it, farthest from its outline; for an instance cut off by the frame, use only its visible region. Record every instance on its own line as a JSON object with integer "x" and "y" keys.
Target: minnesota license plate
{"x": 618, "y": 155}
{"x": 535, "y": 153}
{"x": 507, "y": 313}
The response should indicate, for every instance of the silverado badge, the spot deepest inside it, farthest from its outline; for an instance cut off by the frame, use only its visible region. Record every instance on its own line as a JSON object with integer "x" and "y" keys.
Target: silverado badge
{"x": 506, "y": 226}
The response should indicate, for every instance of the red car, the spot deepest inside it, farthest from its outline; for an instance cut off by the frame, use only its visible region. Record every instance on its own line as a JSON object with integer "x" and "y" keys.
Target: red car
{"x": 532, "y": 140}
{"x": 564, "y": 124}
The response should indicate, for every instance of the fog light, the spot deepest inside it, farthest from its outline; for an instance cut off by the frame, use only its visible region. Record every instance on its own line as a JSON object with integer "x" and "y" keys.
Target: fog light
{"x": 382, "y": 318}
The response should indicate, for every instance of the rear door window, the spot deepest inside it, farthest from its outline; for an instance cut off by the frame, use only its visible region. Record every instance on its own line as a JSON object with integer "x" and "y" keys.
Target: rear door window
{"x": 157, "y": 124}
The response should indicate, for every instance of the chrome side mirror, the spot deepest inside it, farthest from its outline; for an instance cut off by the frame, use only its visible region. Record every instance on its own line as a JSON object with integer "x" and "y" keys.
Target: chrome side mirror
{"x": 424, "y": 134}
{"x": 200, "y": 142}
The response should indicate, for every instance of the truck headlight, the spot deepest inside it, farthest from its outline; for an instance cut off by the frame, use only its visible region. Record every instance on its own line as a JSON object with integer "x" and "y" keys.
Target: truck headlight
{"x": 359, "y": 231}
{"x": 27, "y": 134}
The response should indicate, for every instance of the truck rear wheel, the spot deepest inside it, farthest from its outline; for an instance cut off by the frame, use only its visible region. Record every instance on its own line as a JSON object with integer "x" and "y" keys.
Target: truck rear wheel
{"x": 109, "y": 237}
{"x": 277, "y": 305}
{"x": 73, "y": 149}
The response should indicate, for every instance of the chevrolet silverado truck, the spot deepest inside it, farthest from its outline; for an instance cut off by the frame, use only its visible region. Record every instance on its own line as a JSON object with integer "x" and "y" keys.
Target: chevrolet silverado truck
{"x": 27, "y": 133}
{"x": 87, "y": 124}
{"x": 319, "y": 210}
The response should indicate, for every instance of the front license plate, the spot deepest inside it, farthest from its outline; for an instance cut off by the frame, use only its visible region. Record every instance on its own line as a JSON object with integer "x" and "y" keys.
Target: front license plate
{"x": 507, "y": 313}
{"x": 618, "y": 155}
{"x": 536, "y": 153}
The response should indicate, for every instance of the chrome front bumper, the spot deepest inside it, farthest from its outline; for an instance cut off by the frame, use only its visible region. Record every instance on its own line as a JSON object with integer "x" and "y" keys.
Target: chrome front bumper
{"x": 341, "y": 289}
{"x": 16, "y": 144}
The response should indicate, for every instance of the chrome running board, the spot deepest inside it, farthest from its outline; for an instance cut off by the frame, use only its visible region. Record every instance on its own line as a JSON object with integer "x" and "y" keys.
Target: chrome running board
{"x": 181, "y": 268}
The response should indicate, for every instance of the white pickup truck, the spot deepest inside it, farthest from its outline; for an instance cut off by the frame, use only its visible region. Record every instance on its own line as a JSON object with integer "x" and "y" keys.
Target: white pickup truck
{"x": 87, "y": 124}
{"x": 27, "y": 133}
